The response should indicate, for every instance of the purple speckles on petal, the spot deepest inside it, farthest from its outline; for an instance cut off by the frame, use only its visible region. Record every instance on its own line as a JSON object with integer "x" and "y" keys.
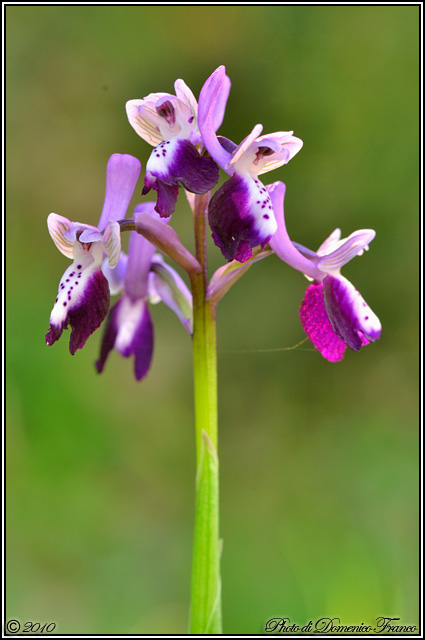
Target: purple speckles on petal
{"x": 317, "y": 326}
{"x": 179, "y": 164}
{"x": 235, "y": 218}
{"x": 86, "y": 315}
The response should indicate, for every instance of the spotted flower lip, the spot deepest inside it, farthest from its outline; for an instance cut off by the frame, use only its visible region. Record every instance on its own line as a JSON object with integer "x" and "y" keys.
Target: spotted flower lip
{"x": 333, "y": 313}
{"x": 83, "y": 296}
{"x": 240, "y": 213}
{"x": 177, "y": 162}
{"x": 143, "y": 278}
{"x": 170, "y": 124}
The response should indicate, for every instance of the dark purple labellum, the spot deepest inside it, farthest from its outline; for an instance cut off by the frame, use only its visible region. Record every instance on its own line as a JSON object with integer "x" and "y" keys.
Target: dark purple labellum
{"x": 232, "y": 224}
{"x": 341, "y": 313}
{"x": 167, "y": 196}
{"x": 196, "y": 173}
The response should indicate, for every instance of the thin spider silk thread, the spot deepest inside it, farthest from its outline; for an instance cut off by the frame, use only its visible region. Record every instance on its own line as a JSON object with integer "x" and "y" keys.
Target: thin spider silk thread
{"x": 295, "y": 346}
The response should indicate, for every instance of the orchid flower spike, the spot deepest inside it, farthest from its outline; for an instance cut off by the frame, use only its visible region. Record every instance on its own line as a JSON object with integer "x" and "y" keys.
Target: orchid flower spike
{"x": 170, "y": 124}
{"x": 240, "y": 213}
{"x": 83, "y": 296}
{"x": 144, "y": 278}
{"x": 333, "y": 313}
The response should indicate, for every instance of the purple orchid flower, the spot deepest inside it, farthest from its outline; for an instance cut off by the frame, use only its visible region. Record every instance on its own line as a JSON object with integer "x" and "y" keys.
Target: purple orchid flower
{"x": 170, "y": 124}
{"x": 333, "y": 313}
{"x": 83, "y": 296}
{"x": 240, "y": 213}
{"x": 144, "y": 277}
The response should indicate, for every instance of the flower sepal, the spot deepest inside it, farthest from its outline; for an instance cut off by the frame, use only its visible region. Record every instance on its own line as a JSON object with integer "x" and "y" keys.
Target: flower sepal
{"x": 226, "y": 276}
{"x": 167, "y": 286}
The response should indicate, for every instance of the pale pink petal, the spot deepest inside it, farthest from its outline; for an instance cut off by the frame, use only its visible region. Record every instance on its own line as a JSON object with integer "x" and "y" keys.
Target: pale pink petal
{"x": 145, "y": 119}
{"x": 290, "y": 146}
{"x": 339, "y": 252}
{"x": 58, "y": 225}
{"x": 186, "y": 96}
{"x": 245, "y": 145}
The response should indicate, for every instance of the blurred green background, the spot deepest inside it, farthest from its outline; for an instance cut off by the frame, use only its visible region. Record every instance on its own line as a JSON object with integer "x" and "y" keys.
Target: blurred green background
{"x": 319, "y": 461}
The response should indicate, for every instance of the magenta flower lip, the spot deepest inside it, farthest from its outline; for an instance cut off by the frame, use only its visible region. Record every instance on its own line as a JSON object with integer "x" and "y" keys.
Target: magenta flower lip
{"x": 333, "y": 314}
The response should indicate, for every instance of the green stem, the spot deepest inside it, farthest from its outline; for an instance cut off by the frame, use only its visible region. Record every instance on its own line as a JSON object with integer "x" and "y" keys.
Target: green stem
{"x": 205, "y": 615}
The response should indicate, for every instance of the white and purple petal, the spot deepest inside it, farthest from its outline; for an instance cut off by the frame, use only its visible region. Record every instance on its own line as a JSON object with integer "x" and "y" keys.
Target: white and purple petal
{"x": 241, "y": 217}
{"x": 316, "y": 324}
{"x": 82, "y": 303}
{"x": 83, "y": 297}
{"x": 175, "y": 162}
{"x": 352, "y": 319}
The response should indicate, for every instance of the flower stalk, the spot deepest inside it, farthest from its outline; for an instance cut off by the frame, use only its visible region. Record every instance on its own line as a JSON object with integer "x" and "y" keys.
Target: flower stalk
{"x": 205, "y": 614}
